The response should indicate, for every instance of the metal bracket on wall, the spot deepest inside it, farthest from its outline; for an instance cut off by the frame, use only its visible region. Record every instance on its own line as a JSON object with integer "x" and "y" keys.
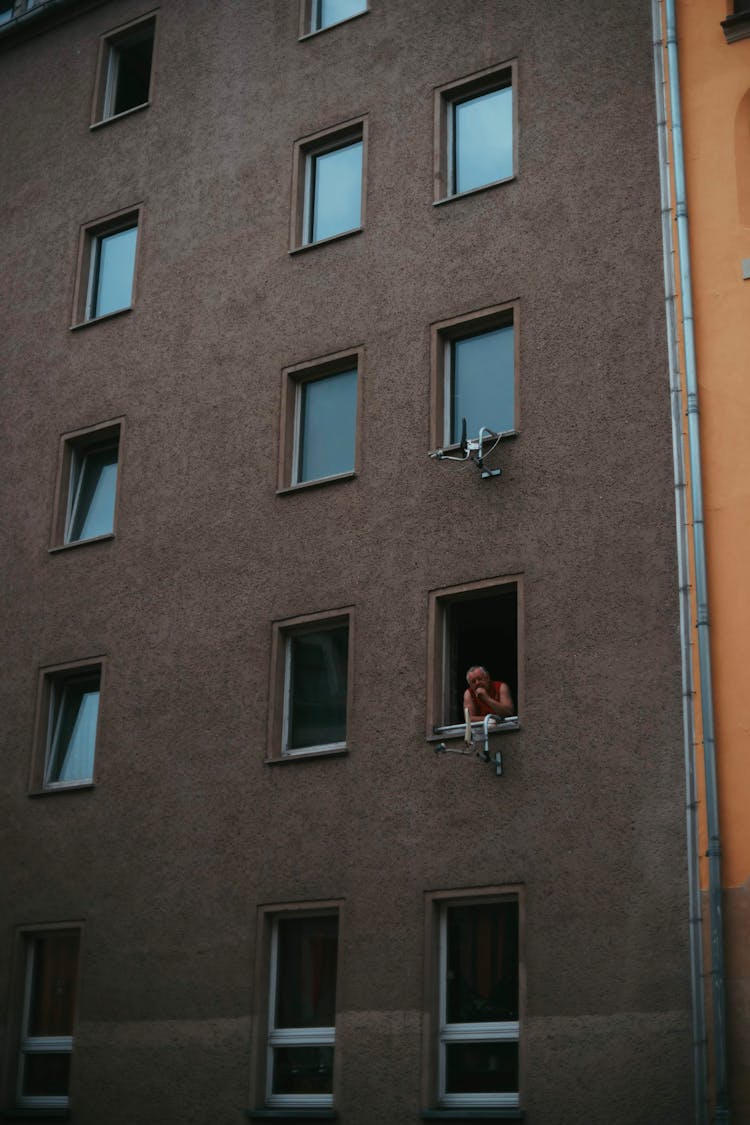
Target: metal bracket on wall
{"x": 477, "y": 745}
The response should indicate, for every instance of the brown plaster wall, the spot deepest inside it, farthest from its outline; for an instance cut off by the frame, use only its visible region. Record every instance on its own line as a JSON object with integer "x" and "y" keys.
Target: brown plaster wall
{"x": 187, "y": 831}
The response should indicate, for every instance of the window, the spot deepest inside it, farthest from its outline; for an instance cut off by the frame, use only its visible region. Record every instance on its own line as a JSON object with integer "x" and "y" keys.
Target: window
{"x": 478, "y": 985}
{"x": 302, "y": 1011}
{"x": 475, "y": 375}
{"x": 474, "y": 624}
{"x": 6, "y": 12}
{"x": 48, "y": 1018}
{"x": 107, "y": 267}
{"x": 328, "y": 193}
{"x": 320, "y": 14}
{"x": 87, "y": 485}
{"x": 475, "y": 127}
{"x": 67, "y": 724}
{"x": 319, "y": 420}
{"x": 125, "y": 70}
{"x": 311, "y": 660}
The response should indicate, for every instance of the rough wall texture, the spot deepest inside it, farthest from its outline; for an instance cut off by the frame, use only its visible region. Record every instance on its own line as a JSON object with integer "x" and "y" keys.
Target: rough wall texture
{"x": 187, "y": 831}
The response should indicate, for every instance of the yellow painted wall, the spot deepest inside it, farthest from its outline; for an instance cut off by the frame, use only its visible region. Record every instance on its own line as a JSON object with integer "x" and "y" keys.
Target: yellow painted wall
{"x": 715, "y": 85}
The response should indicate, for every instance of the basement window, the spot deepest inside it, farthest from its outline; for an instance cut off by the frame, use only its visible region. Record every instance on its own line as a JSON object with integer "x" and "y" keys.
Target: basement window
{"x": 475, "y": 624}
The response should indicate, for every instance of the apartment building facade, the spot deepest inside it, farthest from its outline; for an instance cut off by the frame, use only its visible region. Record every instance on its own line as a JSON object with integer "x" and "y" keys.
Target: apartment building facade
{"x": 289, "y": 282}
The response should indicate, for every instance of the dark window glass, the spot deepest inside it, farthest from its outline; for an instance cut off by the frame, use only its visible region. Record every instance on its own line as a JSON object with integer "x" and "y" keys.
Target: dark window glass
{"x": 482, "y": 963}
{"x": 335, "y": 192}
{"x": 306, "y": 972}
{"x": 6, "y": 13}
{"x": 53, "y": 985}
{"x": 327, "y": 12}
{"x": 317, "y": 688}
{"x": 481, "y": 1068}
{"x": 481, "y": 630}
{"x": 45, "y": 1075}
{"x": 302, "y": 1070}
{"x": 482, "y": 139}
{"x": 482, "y": 382}
{"x": 93, "y": 483}
{"x": 130, "y": 70}
{"x": 328, "y": 409}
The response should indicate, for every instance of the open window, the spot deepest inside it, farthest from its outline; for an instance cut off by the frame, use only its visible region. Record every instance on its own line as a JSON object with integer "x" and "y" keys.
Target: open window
{"x": 67, "y": 724}
{"x": 475, "y": 624}
{"x": 86, "y": 496}
{"x": 125, "y": 61}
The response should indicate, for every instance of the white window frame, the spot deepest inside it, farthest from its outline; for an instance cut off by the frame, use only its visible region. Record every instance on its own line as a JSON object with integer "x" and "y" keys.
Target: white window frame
{"x": 114, "y": 45}
{"x": 300, "y": 390}
{"x": 58, "y": 687}
{"x": 308, "y": 209}
{"x": 38, "y": 1044}
{"x": 506, "y": 1031}
{"x": 316, "y": 627}
{"x": 78, "y": 459}
{"x": 450, "y": 134}
{"x": 449, "y": 374}
{"x": 293, "y": 1036}
{"x": 317, "y": 25}
{"x": 91, "y": 312}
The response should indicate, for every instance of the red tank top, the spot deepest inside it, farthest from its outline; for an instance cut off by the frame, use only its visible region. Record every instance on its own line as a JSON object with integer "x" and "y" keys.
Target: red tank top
{"x": 480, "y": 708}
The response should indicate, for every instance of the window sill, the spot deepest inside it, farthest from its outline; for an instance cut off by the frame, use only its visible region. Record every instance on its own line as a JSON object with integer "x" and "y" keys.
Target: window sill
{"x": 456, "y": 446}
{"x": 326, "y": 241}
{"x": 331, "y": 26}
{"x": 440, "y": 734}
{"x": 118, "y": 116}
{"x": 99, "y": 319}
{"x": 296, "y": 1114}
{"x": 81, "y": 543}
{"x": 473, "y": 191}
{"x": 30, "y": 1112}
{"x": 736, "y": 27}
{"x": 54, "y": 791}
{"x": 307, "y": 756}
{"x": 500, "y": 1114}
{"x": 315, "y": 483}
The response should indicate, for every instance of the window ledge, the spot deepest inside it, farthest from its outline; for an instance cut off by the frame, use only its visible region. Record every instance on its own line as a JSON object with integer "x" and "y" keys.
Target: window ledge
{"x": 736, "y": 27}
{"x": 325, "y": 241}
{"x": 440, "y": 734}
{"x": 81, "y": 543}
{"x": 456, "y": 446}
{"x": 54, "y": 791}
{"x": 512, "y": 1113}
{"x": 473, "y": 191}
{"x": 331, "y": 26}
{"x": 30, "y": 1112}
{"x": 307, "y": 756}
{"x": 99, "y": 319}
{"x": 297, "y": 1114}
{"x": 118, "y": 116}
{"x": 315, "y": 483}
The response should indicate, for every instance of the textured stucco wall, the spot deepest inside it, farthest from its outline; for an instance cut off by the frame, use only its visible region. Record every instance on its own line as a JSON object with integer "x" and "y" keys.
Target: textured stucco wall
{"x": 187, "y": 831}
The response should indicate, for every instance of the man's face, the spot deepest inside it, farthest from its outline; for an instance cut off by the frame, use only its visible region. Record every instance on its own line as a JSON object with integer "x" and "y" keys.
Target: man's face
{"x": 478, "y": 678}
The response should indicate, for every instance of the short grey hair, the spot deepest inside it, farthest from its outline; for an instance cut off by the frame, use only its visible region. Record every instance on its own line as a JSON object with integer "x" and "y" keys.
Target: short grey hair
{"x": 479, "y": 668}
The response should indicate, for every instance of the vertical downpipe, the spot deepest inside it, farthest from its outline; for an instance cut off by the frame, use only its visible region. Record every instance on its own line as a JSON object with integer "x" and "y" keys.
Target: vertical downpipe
{"x": 718, "y": 1005}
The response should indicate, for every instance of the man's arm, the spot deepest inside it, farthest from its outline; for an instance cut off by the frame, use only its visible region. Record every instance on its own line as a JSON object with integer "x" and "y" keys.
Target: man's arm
{"x": 502, "y": 707}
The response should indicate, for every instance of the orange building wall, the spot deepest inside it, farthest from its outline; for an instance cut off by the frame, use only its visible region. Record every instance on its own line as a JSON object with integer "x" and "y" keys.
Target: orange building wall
{"x": 715, "y": 87}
